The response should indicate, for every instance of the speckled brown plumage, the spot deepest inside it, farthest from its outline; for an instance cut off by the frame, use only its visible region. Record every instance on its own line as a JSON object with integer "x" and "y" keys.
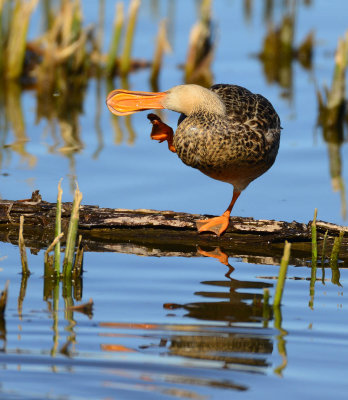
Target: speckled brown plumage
{"x": 227, "y": 132}
{"x": 235, "y": 148}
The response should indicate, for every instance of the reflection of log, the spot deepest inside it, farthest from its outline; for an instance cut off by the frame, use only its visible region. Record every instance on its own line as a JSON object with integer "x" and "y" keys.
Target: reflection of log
{"x": 157, "y": 233}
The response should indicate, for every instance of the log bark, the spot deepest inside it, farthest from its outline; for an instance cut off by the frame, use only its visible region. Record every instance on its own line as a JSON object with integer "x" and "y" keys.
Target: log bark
{"x": 158, "y": 233}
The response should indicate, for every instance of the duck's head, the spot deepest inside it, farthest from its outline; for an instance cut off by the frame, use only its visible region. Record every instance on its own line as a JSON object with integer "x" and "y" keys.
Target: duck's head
{"x": 185, "y": 99}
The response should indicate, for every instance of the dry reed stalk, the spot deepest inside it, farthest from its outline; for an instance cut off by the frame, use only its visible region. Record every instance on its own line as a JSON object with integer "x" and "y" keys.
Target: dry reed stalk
{"x": 282, "y": 275}
{"x": 116, "y": 37}
{"x": 52, "y": 246}
{"x": 17, "y": 41}
{"x": 22, "y": 249}
{"x": 125, "y": 61}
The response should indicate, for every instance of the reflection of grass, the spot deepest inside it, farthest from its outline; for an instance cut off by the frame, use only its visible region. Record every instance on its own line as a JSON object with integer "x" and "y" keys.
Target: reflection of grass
{"x": 335, "y": 277}
{"x": 200, "y": 49}
{"x": 279, "y": 51}
{"x": 3, "y": 299}
{"x": 332, "y": 105}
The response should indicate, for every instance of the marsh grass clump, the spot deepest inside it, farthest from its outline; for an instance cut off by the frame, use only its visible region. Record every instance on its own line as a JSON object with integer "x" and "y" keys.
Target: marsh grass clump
{"x": 72, "y": 264}
{"x": 67, "y": 53}
{"x": 332, "y": 261}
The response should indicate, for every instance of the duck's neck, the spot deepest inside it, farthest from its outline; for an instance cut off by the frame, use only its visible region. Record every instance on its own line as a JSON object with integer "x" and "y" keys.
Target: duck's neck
{"x": 188, "y": 99}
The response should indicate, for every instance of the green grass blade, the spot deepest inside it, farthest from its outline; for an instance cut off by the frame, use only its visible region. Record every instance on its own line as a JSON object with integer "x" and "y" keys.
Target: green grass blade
{"x": 282, "y": 275}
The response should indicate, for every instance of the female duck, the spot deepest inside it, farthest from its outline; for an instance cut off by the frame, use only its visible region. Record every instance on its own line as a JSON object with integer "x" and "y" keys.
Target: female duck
{"x": 226, "y": 132}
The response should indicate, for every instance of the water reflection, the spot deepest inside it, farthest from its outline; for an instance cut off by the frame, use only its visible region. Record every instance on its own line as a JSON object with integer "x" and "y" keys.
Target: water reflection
{"x": 229, "y": 328}
{"x": 335, "y": 137}
{"x": 230, "y": 301}
{"x": 279, "y": 52}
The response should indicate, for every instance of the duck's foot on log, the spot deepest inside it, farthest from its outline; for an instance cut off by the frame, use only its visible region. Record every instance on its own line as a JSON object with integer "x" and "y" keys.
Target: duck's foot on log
{"x": 217, "y": 225}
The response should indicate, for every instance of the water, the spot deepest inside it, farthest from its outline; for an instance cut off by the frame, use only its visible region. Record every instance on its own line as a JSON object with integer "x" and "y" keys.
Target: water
{"x": 179, "y": 327}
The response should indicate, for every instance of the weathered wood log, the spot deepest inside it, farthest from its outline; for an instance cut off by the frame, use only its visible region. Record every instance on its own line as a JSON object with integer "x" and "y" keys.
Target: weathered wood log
{"x": 157, "y": 233}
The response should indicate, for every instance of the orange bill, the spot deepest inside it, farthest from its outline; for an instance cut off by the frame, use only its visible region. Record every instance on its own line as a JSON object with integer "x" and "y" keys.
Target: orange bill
{"x": 125, "y": 102}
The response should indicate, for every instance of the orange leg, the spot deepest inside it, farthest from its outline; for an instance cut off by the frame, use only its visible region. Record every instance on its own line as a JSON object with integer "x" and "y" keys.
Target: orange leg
{"x": 161, "y": 131}
{"x": 218, "y": 225}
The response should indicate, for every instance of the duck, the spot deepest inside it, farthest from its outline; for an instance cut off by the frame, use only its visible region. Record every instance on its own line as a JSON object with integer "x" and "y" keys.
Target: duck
{"x": 227, "y": 132}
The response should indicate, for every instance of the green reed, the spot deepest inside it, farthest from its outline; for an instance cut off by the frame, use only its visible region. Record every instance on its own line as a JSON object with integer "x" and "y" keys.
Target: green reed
{"x": 282, "y": 275}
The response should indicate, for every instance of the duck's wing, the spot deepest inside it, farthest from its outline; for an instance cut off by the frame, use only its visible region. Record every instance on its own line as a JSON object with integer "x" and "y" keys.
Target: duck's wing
{"x": 245, "y": 107}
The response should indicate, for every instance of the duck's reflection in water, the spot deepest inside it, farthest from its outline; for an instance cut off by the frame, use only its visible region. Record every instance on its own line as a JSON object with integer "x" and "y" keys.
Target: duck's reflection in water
{"x": 237, "y": 303}
{"x": 232, "y": 336}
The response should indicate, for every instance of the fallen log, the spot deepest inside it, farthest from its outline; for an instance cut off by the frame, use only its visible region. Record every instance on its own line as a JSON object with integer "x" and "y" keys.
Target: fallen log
{"x": 158, "y": 233}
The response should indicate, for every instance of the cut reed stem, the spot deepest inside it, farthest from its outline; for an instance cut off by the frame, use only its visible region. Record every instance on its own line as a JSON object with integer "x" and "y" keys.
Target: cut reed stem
{"x": 52, "y": 246}
{"x": 282, "y": 275}
{"x": 22, "y": 249}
